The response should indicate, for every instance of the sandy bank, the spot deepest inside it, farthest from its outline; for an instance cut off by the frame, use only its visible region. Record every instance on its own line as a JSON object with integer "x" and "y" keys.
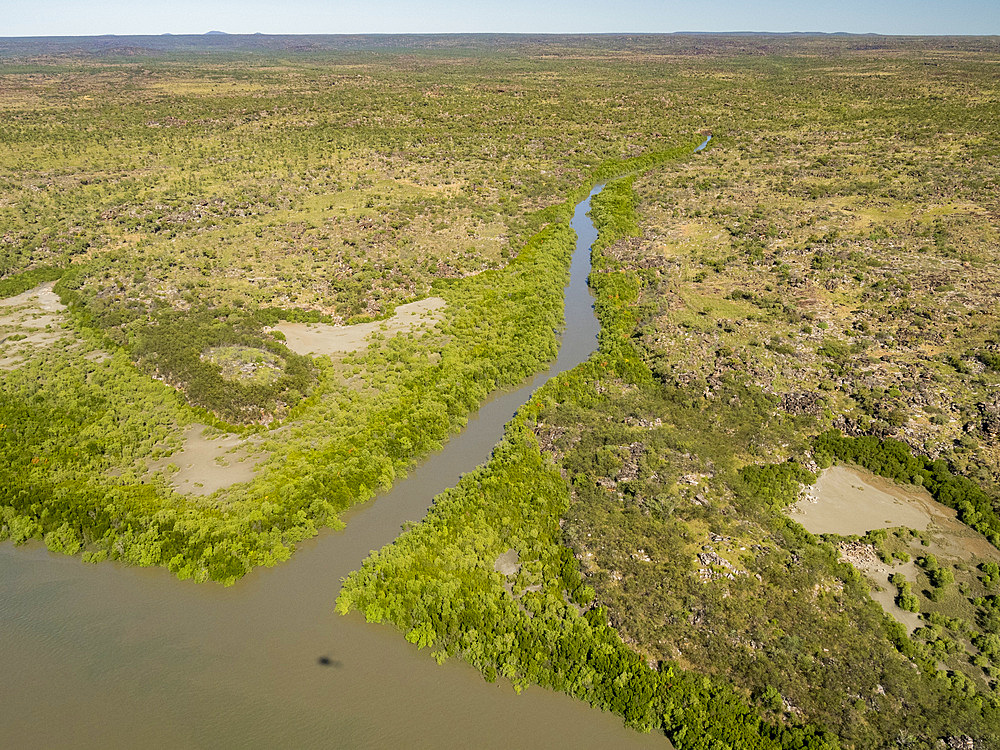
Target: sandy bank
{"x": 208, "y": 463}
{"x": 320, "y": 338}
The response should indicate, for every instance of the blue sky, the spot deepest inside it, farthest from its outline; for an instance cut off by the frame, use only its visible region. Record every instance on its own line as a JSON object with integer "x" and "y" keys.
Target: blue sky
{"x": 85, "y": 17}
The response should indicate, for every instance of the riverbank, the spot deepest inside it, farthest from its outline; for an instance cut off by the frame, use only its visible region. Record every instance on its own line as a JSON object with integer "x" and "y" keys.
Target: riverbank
{"x": 439, "y": 585}
{"x": 279, "y": 666}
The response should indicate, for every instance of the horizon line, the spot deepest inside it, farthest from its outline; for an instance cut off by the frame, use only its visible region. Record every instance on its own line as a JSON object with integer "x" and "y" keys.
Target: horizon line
{"x": 216, "y": 33}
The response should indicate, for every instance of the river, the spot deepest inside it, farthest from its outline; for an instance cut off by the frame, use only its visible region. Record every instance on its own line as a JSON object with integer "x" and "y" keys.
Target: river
{"x": 111, "y": 656}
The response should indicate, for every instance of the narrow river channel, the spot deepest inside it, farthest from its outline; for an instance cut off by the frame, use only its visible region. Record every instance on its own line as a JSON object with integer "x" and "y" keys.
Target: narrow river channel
{"x": 109, "y": 656}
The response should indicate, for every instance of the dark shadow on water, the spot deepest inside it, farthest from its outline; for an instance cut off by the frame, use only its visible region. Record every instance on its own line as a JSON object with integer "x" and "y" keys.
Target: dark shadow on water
{"x": 92, "y": 683}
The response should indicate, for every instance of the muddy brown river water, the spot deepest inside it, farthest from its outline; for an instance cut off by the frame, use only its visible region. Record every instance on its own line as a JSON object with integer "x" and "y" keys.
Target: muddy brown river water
{"x": 109, "y": 656}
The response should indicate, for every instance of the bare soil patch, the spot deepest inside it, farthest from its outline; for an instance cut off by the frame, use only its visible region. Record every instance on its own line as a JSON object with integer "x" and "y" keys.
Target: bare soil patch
{"x": 41, "y": 298}
{"x": 207, "y": 463}
{"x": 849, "y": 501}
{"x": 320, "y": 338}
{"x": 30, "y": 320}
{"x": 507, "y": 563}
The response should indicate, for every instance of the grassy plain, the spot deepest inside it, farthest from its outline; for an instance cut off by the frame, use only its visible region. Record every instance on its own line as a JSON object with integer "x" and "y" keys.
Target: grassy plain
{"x": 190, "y": 206}
{"x": 827, "y": 262}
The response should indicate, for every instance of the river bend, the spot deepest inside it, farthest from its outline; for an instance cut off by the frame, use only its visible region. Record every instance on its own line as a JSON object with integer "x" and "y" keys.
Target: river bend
{"x": 111, "y": 656}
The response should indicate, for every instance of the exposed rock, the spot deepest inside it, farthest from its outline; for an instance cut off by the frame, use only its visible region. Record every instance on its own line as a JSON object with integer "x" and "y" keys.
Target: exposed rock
{"x": 858, "y": 554}
{"x": 801, "y": 402}
{"x": 630, "y": 466}
{"x": 990, "y": 412}
{"x": 715, "y": 566}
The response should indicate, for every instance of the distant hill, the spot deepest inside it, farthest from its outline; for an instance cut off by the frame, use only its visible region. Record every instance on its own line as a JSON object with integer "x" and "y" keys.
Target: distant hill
{"x": 683, "y": 43}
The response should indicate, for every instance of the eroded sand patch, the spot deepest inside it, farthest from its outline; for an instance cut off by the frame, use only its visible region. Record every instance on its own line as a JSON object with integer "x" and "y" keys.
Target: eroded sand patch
{"x": 863, "y": 557}
{"x": 208, "y": 462}
{"x": 30, "y": 320}
{"x": 849, "y": 502}
{"x": 507, "y": 563}
{"x": 42, "y": 298}
{"x": 845, "y": 502}
{"x": 320, "y": 338}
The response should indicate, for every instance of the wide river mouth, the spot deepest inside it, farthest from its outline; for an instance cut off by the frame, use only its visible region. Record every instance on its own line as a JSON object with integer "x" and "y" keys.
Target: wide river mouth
{"x": 111, "y": 656}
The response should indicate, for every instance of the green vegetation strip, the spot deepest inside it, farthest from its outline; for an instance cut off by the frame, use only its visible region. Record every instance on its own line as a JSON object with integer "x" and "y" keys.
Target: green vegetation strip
{"x": 22, "y": 282}
{"x": 805, "y": 633}
{"x": 50, "y": 455}
{"x": 66, "y": 421}
{"x": 437, "y": 582}
{"x": 438, "y": 585}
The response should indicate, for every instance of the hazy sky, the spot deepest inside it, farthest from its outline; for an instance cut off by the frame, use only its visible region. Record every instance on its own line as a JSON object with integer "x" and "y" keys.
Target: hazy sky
{"x": 85, "y": 17}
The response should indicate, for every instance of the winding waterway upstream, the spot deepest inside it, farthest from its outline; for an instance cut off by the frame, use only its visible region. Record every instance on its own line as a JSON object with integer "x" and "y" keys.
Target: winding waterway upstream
{"x": 111, "y": 656}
